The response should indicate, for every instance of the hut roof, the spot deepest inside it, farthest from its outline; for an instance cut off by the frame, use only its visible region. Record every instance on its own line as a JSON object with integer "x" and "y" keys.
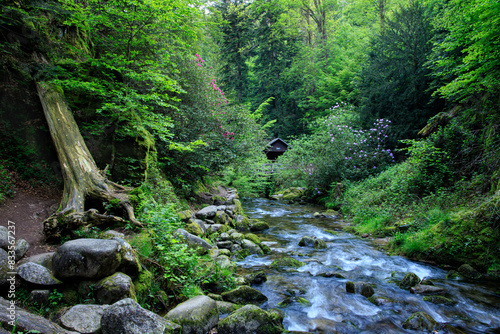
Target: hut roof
{"x": 277, "y": 145}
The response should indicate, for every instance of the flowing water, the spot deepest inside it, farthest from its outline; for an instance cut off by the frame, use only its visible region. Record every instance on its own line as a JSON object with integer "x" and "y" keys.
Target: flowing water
{"x": 331, "y": 309}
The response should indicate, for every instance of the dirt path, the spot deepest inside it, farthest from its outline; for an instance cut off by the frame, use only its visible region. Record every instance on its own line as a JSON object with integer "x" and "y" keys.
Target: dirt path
{"x": 28, "y": 209}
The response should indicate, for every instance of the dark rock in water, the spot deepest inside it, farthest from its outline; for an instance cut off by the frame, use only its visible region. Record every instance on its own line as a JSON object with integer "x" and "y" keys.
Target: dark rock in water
{"x": 420, "y": 321}
{"x": 426, "y": 289}
{"x": 361, "y": 288}
{"x": 331, "y": 274}
{"x": 256, "y": 278}
{"x": 197, "y": 315}
{"x": 439, "y": 300}
{"x": 409, "y": 280}
{"x": 259, "y": 226}
{"x": 312, "y": 242}
{"x": 244, "y": 295}
{"x": 251, "y": 319}
{"x": 452, "y": 274}
{"x": 469, "y": 272}
{"x": 379, "y": 300}
{"x": 286, "y": 261}
{"x": 128, "y": 317}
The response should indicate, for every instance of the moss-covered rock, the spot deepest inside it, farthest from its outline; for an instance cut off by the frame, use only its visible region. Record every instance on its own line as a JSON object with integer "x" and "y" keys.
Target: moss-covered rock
{"x": 185, "y": 215}
{"x": 250, "y": 319}
{"x": 452, "y": 274}
{"x": 410, "y": 280}
{"x": 194, "y": 229}
{"x": 469, "y": 272}
{"x": 143, "y": 283}
{"x": 312, "y": 242}
{"x": 238, "y": 209}
{"x": 241, "y": 223}
{"x": 222, "y": 218}
{"x": 286, "y": 261}
{"x": 244, "y": 295}
{"x": 114, "y": 288}
{"x": 227, "y": 307}
{"x": 361, "y": 288}
{"x": 420, "y": 321}
{"x": 439, "y": 300}
{"x": 258, "y": 226}
{"x": 380, "y": 300}
{"x": 197, "y": 315}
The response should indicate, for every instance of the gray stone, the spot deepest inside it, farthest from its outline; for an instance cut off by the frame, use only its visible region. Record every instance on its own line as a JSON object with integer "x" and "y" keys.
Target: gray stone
{"x": 87, "y": 258}
{"x": 250, "y": 319}
{"x": 114, "y": 288}
{"x": 259, "y": 226}
{"x": 226, "y": 307}
{"x": 225, "y": 244}
{"x": 251, "y": 247}
{"x": 4, "y": 267}
{"x": 28, "y": 322}
{"x": 235, "y": 248}
{"x": 426, "y": 289}
{"x": 129, "y": 264}
{"x": 409, "y": 280}
{"x": 214, "y": 228}
{"x": 236, "y": 237}
{"x": 128, "y": 317}
{"x": 224, "y": 262}
{"x": 4, "y": 238}
{"x": 201, "y": 224}
{"x": 39, "y": 297}
{"x": 222, "y": 217}
{"x": 44, "y": 259}
{"x": 224, "y": 236}
{"x": 244, "y": 295}
{"x": 22, "y": 247}
{"x": 192, "y": 240}
{"x": 85, "y": 319}
{"x": 242, "y": 223}
{"x": 36, "y": 274}
{"x": 197, "y": 315}
{"x": 312, "y": 242}
{"x": 207, "y": 212}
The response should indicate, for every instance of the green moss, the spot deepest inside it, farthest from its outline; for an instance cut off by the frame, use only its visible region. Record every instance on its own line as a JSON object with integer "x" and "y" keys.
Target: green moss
{"x": 253, "y": 238}
{"x": 286, "y": 262}
{"x": 143, "y": 283}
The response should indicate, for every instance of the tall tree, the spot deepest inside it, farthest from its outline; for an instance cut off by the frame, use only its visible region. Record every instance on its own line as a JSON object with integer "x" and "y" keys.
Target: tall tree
{"x": 395, "y": 82}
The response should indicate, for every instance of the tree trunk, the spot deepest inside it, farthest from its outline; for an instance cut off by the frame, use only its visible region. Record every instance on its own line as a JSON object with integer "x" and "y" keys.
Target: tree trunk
{"x": 82, "y": 178}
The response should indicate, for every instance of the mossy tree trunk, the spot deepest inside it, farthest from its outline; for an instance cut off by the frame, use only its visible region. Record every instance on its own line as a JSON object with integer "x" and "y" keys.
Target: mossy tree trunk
{"x": 82, "y": 179}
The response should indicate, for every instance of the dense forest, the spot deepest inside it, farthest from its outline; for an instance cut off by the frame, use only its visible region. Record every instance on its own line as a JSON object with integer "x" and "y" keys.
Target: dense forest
{"x": 390, "y": 109}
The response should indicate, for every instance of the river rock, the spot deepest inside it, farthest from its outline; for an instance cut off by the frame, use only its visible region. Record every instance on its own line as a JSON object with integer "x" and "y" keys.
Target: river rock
{"x": 226, "y": 244}
{"x": 27, "y": 322}
{"x": 409, "y": 281}
{"x": 361, "y": 288}
{"x": 215, "y": 228}
{"x": 185, "y": 215}
{"x": 426, "y": 289}
{"x": 469, "y": 272}
{"x": 251, "y": 247}
{"x": 4, "y": 238}
{"x": 37, "y": 274}
{"x": 420, "y": 321}
{"x": 242, "y": 223}
{"x": 197, "y": 315}
{"x": 256, "y": 277}
{"x": 194, "y": 229}
{"x": 259, "y": 226}
{"x": 128, "y": 317}
{"x": 116, "y": 287}
{"x": 379, "y": 300}
{"x": 225, "y": 262}
{"x": 439, "y": 300}
{"x": 250, "y": 319}
{"x": 222, "y": 218}
{"x": 21, "y": 248}
{"x": 87, "y": 258}
{"x": 207, "y": 212}
{"x": 312, "y": 242}
{"x": 44, "y": 259}
{"x": 85, "y": 319}
{"x": 4, "y": 267}
{"x": 192, "y": 240}
{"x": 244, "y": 295}
{"x": 110, "y": 234}
{"x": 286, "y": 261}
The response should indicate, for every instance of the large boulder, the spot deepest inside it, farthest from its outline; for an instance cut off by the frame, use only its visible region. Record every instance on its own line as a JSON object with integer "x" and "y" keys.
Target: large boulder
{"x": 4, "y": 238}
{"x": 259, "y": 226}
{"x": 87, "y": 258}
{"x": 27, "y": 322}
{"x": 251, "y": 247}
{"x": 250, "y": 319}
{"x": 469, "y": 272}
{"x": 286, "y": 261}
{"x": 207, "y": 212}
{"x": 85, "y": 319}
{"x": 410, "y": 280}
{"x": 36, "y": 274}
{"x": 4, "y": 267}
{"x": 128, "y": 317}
{"x": 244, "y": 295}
{"x": 116, "y": 287}
{"x": 21, "y": 248}
{"x": 129, "y": 264}
{"x": 197, "y": 315}
{"x": 44, "y": 259}
{"x": 192, "y": 240}
{"x": 426, "y": 289}
{"x": 420, "y": 321}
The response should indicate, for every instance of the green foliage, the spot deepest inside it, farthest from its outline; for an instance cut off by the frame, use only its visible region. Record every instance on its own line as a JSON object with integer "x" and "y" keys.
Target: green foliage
{"x": 6, "y": 184}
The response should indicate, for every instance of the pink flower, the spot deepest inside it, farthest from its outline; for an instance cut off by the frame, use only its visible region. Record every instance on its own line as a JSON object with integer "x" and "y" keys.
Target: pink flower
{"x": 211, "y": 67}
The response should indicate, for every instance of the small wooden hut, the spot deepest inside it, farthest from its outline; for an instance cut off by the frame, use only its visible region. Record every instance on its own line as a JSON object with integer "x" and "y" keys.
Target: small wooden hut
{"x": 275, "y": 148}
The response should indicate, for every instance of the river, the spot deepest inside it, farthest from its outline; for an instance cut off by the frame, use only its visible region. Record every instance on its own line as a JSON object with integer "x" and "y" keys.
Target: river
{"x": 330, "y": 309}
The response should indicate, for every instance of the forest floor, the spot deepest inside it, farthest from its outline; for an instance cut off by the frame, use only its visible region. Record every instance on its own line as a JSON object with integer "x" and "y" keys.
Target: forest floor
{"x": 27, "y": 209}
